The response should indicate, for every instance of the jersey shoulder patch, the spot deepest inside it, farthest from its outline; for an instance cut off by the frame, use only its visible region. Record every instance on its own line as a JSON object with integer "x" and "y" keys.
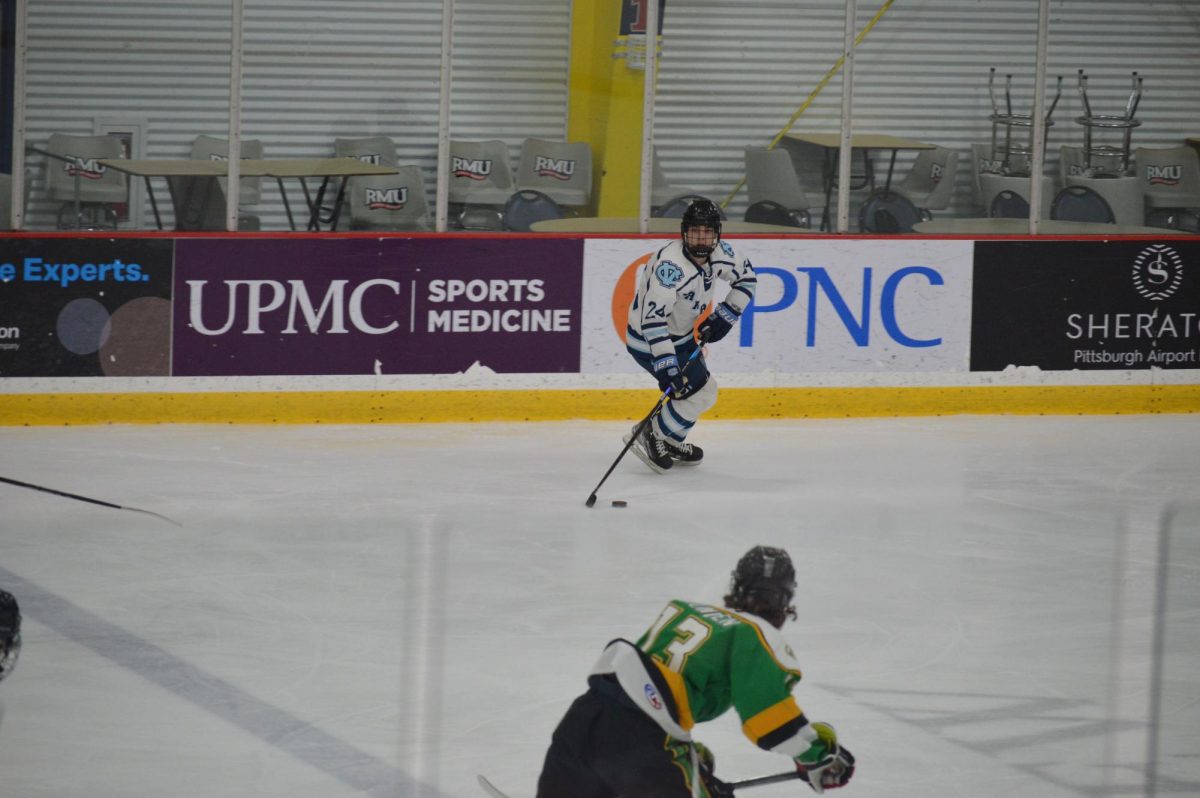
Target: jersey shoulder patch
{"x": 668, "y": 274}
{"x": 727, "y": 249}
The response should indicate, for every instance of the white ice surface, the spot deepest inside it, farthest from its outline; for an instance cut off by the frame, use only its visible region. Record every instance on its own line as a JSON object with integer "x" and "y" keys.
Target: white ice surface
{"x": 389, "y": 610}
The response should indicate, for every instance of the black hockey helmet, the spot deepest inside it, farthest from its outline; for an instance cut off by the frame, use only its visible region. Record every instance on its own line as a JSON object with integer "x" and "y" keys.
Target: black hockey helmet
{"x": 701, "y": 213}
{"x": 10, "y": 633}
{"x": 764, "y": 583}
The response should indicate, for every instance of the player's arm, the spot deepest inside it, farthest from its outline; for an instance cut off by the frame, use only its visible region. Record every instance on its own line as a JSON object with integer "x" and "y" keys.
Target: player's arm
{"x": 659, "y": 294}
{"x": 772, "y": 720}
{"x": 742, "y": 285}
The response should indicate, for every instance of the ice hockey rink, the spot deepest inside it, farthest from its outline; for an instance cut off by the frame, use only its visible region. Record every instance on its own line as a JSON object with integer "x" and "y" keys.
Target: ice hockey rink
{"x": 390, "y": 610}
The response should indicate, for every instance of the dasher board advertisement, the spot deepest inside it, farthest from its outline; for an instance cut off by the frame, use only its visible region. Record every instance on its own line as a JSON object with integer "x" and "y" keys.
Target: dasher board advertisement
{"x": 376, "y": 306}
{"x": 820, "y": 306}
{"x": 86, "y": 307}
{"x": 1063, "y": 305}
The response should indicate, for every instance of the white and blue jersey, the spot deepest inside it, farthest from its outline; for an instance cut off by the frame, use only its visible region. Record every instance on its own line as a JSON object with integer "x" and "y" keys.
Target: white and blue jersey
{"x": 672, "y": 292}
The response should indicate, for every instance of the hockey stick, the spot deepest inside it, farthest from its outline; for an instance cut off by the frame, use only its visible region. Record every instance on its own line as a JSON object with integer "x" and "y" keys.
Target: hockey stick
{"x": 86, "y": 499}
{"x": 491, "y": 790}
{"x": 591, "y": 500}
{"x": 762, "y": 780}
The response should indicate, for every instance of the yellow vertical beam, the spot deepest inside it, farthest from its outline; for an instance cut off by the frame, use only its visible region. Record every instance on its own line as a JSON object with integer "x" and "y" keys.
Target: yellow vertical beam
{"x": 604, "y": 107}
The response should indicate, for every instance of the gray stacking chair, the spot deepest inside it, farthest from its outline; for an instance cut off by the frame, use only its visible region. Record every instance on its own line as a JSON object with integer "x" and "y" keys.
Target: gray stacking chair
{"x": 211, "y": 148}
{"x": 1124, "y": 196}
{"x": 377, "y": 150}
{"x": 662, "y": 190}
{"x": 983, "y": 161}
{"x": 1170, "y": 179}
{"x": 1081, "y": 204}
{"x": 771, "y": 177}
{"x": 88, "y": 191}
{"x": 389, "y": 202}
{"x": 993, "y": 185}
{"x": 561, "y": 170}
{"x": 929, "y": 185}
{"x": 480, "y": 183}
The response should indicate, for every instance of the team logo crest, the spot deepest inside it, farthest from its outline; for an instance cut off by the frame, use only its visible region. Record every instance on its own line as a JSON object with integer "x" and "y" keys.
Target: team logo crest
{"x": 558, "y": 168}
{"x": 1157, "y": 272}
{"x": 471, "y": 168}
{"x": 652, "y": 697}
{"x": 87, "y": 168}
{"x": 668, "y": 274}
{"x": 728, "y": 250}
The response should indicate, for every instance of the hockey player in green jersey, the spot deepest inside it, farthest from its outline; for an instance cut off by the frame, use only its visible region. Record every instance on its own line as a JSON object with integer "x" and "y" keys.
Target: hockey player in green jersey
{"x": 629, "y": 735}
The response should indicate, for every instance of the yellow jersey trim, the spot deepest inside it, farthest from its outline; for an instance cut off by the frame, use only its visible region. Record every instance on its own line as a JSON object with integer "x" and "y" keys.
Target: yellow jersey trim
{"x": 771, "y": 719}
{"x": 679, "y": 693}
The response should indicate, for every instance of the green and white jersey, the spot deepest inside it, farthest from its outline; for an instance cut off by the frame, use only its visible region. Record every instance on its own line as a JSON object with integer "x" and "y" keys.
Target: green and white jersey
{"x": 714, "y": 658}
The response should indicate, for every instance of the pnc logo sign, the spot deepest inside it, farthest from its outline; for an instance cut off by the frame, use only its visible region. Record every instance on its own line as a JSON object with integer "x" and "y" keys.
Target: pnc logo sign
{"x": 826, "y": 299}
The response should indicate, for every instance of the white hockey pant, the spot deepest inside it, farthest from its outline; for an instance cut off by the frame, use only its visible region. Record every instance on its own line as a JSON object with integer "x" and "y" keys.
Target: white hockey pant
{"x": 678, "y": 416}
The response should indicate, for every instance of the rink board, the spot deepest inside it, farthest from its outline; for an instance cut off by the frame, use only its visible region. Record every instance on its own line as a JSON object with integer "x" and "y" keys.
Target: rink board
{"x": 411, "y": 328}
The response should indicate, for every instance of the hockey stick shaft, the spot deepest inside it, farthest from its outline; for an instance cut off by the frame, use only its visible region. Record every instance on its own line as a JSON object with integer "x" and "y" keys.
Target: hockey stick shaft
{"x": 77, "y": 497}
{"x": 763, "y": 780}
{"x": 591, "y": 500}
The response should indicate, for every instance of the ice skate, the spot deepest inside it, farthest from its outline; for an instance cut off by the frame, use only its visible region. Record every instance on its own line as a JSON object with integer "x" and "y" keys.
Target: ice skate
{"x": 650, "y": 449}
{"x": 683, "y": 453}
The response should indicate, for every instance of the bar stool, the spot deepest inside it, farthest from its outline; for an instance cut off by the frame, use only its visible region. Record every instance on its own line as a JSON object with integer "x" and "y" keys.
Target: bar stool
{"x": 1009, "y": 120}
{"x": 1106, "y": 160}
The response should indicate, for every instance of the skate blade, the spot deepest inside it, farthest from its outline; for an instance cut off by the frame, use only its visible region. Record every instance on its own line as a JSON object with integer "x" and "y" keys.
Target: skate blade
{"x": 645, "y": 458}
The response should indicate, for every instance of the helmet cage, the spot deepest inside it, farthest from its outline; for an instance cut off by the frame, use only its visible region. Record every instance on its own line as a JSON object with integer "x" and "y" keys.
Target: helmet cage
{"x": 701, "y": 213}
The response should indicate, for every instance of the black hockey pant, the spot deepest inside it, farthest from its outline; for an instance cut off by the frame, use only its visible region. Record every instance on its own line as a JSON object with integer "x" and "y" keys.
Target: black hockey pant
{"x": 604, "y": 748}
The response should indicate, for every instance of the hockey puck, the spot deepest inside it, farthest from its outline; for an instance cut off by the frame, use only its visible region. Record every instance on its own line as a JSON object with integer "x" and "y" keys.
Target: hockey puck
{"x": 620, "y": 503}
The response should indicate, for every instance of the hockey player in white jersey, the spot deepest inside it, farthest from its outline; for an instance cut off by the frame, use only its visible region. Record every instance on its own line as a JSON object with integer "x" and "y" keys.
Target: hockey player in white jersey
{"x": 673, "y": 290}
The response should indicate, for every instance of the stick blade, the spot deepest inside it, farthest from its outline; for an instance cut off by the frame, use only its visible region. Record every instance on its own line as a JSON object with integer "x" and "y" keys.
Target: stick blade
{"x": 591, "y": 500}
{"x": 489, "y": 788}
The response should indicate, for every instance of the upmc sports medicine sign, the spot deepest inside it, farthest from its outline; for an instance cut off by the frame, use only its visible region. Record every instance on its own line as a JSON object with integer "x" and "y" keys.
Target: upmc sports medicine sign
{"x": 1062, "y": 305}
{"x": 375, "y": 306}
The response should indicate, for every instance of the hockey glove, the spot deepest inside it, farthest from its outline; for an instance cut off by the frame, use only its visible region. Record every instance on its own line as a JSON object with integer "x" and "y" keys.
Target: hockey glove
{"x": 714, "y": 786}
{"x": 666, "y": 369}
{"x": 719, "y": 323}
{"x": 825, "y": 765}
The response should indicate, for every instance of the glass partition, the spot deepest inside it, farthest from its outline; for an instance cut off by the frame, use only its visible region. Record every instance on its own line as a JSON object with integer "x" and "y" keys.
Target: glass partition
{"x": 122, "y": 81}
{"x": 1174, "y": 725}
{"x": 942, "y": 112}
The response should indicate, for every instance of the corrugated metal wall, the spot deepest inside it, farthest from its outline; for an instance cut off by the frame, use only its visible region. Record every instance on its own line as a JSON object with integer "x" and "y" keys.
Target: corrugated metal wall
{"x": 314, "y": 70}
{"x": 732, "y": 73}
